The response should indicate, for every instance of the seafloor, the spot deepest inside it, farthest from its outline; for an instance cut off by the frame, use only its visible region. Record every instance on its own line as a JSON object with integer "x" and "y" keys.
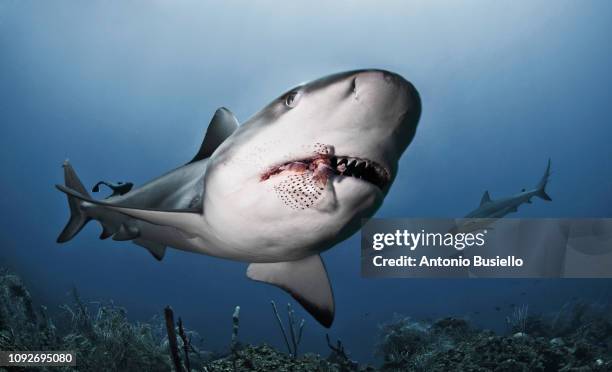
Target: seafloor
{"x": 576, "y": 338}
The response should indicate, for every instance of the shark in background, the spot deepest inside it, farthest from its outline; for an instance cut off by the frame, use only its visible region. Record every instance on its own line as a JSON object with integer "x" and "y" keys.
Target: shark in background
{"x": 499, "y": 208}
{"x": 568, "y": 247}
{"x": 289, "y": 183}
{"x": 489, "y": 210}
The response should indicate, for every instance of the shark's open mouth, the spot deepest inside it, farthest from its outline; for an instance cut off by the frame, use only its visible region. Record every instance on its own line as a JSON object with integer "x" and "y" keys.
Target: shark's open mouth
{"x": 323, "y": 166}
{"x": 364, "y": 169}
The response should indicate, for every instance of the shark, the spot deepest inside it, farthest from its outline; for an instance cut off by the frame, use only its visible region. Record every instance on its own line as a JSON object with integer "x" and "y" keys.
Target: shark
{"x": 276, "y": 191}
{"x": 499, "y": 208}
{"x": 490, "y": 210}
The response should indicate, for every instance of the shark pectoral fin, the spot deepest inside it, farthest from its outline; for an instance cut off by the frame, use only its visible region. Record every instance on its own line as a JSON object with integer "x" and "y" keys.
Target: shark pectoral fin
{"x": 306, "y": 280}
{"x": 222, "y": 125}
{"x": 156, "y": 249}
{"x": 185, "y": 220}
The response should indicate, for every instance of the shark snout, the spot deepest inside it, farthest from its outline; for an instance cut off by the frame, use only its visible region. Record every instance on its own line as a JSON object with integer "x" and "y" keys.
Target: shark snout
{"x": 392, "y": 107}
{"x": 386, "y": 91}
{"x": 381, "y": 81}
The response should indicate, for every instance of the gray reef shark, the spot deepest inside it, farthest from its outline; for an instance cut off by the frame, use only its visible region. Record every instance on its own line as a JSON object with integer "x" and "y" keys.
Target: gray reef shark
{"x": 294, "y": 180}
{"x": 489, "y": 210}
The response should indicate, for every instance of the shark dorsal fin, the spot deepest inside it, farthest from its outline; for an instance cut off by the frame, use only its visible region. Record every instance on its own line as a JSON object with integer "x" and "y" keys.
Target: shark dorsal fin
{"x": 306, "y": 280}
{"x": 221, "y": 126}
{"x": 486, "y": 198}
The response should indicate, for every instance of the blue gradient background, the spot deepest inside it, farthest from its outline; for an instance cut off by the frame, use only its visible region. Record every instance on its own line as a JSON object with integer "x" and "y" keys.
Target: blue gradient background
{"x": 125, "y": 89}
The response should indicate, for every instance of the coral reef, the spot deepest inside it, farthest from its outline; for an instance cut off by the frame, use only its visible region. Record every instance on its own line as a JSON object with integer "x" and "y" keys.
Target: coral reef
{"x": 22, "y": 327}
{"x": 580, "y": 342}
{"x": 578, "y": 337}
{"x": 409, "y": 344}
{"x": 103, "y": 338}
{"x": 295, "y": 329}
{"x": 265, "y": 358}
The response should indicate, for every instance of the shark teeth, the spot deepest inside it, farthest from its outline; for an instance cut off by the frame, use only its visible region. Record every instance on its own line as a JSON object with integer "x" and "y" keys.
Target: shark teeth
{"x": 346, "y": 166}
{"x": 363, "y": 169}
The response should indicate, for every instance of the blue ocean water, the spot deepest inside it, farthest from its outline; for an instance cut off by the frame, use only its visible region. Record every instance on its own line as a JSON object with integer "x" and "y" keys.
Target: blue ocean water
{"x": 125, "y": 90}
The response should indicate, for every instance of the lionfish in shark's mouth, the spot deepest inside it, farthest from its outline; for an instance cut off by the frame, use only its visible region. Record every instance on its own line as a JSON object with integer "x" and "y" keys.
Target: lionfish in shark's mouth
{"x": 323, "y": 165}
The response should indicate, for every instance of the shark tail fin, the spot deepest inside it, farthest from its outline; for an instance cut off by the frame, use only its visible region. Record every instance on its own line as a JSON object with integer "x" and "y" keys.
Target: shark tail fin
{"x": 541, "y": 187}
{"x": 78, "y": 218}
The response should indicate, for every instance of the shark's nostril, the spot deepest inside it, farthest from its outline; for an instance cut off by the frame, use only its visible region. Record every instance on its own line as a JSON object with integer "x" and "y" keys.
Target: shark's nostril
{"x": 389, "y": 77}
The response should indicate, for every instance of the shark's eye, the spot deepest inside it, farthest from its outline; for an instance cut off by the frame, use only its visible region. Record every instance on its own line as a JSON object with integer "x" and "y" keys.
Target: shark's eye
{"x": 292, "y": 99}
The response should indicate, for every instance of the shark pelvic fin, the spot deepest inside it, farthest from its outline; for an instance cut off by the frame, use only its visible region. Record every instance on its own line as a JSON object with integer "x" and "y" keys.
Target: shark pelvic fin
{"x": 107, "y": 231}
{"x": 306, "y": 280}
{"x": 156, "y": 249}
{"x": 185, "y": 220}
{"x": 222, "y": 125}
{"x": 486, "y": 198}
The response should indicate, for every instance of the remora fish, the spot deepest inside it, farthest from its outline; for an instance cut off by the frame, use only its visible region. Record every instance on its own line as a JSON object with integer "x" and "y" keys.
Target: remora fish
{"x": 276, "y": 191}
